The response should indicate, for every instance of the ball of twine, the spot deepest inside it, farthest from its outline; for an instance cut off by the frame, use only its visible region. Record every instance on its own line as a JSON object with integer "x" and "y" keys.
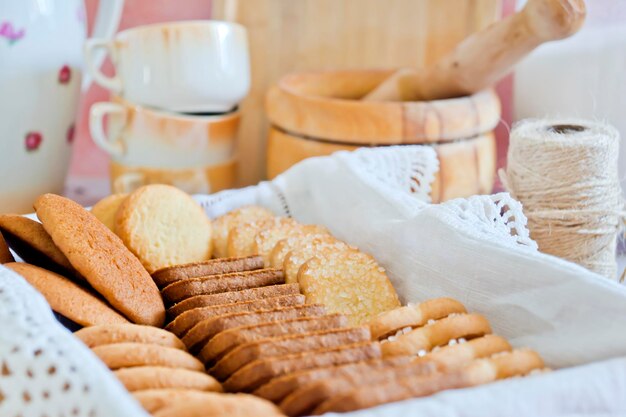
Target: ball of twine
{"x": 564, "y": 172}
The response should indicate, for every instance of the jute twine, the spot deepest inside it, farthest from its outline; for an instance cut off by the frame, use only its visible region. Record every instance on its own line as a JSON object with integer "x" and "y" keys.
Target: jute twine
{"x": 564, "y": 172}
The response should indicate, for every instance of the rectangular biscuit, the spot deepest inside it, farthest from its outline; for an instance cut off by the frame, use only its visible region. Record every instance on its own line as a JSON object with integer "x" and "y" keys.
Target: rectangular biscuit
{"x": 230, "y": 297}
{"x": 165, "y": 276}
{"x": 227, "y": 340}
{"x": 206, "y": 329}
{"x": 212, "y": 284}
{"x": 279, "y": 388}
{"x": 259, "y": 372}
{"x": 304, "y": 399}
{"x": 284, "y": 345}
{"x": 181, "y": 325}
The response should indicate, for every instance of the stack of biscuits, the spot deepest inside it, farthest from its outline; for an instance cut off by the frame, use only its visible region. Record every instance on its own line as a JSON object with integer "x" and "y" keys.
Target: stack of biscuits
{"x": 283, "y": 316}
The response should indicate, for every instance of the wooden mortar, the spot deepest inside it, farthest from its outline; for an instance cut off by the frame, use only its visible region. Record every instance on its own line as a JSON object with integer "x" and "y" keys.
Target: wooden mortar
{"x": 318, "y": 113}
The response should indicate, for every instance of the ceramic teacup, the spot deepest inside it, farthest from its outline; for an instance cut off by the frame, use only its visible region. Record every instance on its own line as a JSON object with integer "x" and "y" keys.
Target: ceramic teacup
{"x": 192, "y": 67}
{"x": 148, "y": 146}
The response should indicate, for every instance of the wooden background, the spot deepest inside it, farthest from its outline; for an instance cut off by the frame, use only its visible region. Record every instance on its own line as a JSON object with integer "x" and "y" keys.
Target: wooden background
{"x": 295, "y": 35}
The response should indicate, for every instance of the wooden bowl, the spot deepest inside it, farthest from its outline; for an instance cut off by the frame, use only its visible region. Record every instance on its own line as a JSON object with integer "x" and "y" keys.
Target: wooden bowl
{"x": 326, "y": 106}
{"x": 466, "y": 167}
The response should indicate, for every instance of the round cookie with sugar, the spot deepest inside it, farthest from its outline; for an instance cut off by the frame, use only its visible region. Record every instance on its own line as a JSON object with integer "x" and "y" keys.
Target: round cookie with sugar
{"x": 106, "y": 209}
{"x": 225, "y": 223}
{"x": 102, "y": 259}
{"x": 164, "y": 226}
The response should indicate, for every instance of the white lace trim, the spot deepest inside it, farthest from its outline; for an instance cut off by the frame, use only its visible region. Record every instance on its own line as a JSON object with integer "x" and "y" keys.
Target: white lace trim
{"x": 44, "y": 370}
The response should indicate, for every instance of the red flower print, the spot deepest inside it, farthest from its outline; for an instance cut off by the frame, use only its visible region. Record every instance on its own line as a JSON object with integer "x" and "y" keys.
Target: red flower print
{"x": 33, "y": 141}
{"x": 70, "y": 134}
{"x": 65, "y": 74}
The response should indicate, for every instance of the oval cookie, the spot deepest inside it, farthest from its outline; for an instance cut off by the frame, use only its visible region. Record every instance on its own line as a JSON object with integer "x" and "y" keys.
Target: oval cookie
{"x": 127, "y": 355}
{"x": 128, "y": 333}
{"x": 157, "y": 377}
{"x": 152, "y": 400}
{"x": 231, "y": 405}
{"x": 101, "y": 257}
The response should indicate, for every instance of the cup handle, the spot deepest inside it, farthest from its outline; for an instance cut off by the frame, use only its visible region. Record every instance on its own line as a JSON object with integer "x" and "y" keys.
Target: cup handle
{"x": 114, "y": 83}
{"x": 96, "y": 127}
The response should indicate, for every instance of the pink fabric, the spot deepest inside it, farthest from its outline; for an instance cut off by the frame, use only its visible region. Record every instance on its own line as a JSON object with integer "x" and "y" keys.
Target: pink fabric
{"x": 90, "y": 161}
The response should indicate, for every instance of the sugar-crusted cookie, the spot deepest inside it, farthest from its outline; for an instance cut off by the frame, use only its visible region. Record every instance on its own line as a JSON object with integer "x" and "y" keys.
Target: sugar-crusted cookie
{"x": 66, "y": 297}
{"x": 128, "y": 333}
{"x": 265, "y": 240}
{"x": 241, "y": 238}
{"x": 308, "y": 249}
{"x": 164, "y": 226}
{"x": 34, "y": 245}
{"x": 127, "y": 355}
{"x": 223, "y": 225}
{"x": 5, "y": 253}
{"x": 157, "y": 377}
{"x": 350, "y": 283}
{"x": 152, "y": 400}
{"x": 101, "y": 257}
{"x": 284, "y": 246}
{"x": 165, "y": 276}
{"x": 217, "y": 405}
{"x": 106, "y": 209}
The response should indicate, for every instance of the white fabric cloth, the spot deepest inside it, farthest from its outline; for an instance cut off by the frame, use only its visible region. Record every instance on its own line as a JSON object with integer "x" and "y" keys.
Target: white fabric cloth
{"x": 476, "y": 250}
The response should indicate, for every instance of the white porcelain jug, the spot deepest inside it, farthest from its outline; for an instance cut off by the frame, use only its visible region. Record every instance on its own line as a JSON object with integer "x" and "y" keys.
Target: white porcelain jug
{"x": 41, "y": 61}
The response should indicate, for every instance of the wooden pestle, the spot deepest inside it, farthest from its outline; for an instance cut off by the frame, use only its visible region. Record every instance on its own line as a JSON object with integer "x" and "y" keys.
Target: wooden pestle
{"x": 486, "y": 56}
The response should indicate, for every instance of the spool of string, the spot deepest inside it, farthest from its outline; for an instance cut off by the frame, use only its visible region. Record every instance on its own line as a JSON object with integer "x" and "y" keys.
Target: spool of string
{"x": 564, "y": 172}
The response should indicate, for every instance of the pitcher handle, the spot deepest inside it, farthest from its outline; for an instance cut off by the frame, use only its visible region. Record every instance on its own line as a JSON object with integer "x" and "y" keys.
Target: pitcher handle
{"x": 114, "y": 83}
{"x": 96, "y": 127}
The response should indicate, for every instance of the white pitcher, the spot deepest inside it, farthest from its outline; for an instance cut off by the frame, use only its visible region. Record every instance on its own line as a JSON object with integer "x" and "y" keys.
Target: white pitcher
{"x": 41, "y": 61}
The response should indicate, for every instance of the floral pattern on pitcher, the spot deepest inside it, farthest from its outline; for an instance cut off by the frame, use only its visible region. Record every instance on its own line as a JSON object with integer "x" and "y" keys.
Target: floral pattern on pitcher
{"x": 65, "y": 74}
{"x": 10, "y": 32}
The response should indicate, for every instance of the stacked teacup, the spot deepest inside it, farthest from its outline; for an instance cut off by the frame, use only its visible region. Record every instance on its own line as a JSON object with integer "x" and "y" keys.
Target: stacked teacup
{"x": 173, "y": 117}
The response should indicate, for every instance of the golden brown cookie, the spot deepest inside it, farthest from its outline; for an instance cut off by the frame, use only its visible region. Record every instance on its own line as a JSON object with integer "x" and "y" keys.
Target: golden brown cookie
{"x": 152, "y": 400}
{"x": 66, "y": 297}
{"x": 229, "y": 339}
{"x": 127, "y": 355}
{"x": 223, "y": 225}
{"x": 221, "y": 405}
{"x": 265, "y": 240}
{"x": 320, "y": 246}
{"x": 165, "y": 276}
{"x": 128, "y": 333}
{"x": 164, "y": 226}
{"x": 230, "y": 297}
{"x": 34, "y": 245}
{"x": 350, "y": 283}
{"x": 101, "y": 257}
{"x": 157, "y": 377}
{"x": 106, "y": 209}
{"x": 5, "y": 253}
{"x": 241, "y": 238}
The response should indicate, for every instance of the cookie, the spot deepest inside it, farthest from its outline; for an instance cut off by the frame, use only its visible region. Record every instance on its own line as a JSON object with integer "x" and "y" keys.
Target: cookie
{"x": 106, "y": 209}
{"x": 128, "y": 355}
{"x": 223, "y": 225}
{"x": 259, "y": 372}
{"x": 251, "y": 294}
{"x": 229, "y": 339}
{"x": 265, "y": 240}
{"x": 5, "y": 253}
{"x": 165, "y": 276}
{"x": 34, "y": 245}
{"x": 413, "y": 315}
{"x": 319, "y": 246}
{"x": 221, "y": 405}
{"x": 158, "y": 377}
{"x": 164, "y": 226}
{"x": 213, "y": 284}
{"x": 128, "y": 333}
{"x": 438, "y": 333}
{"x": 284, "y": 246}
{"x": 101, "y": 257}
{"x": 67, "y": 298}
{"x": 152, "y": 400}
{"x": 350, "y": 283}
{"x": 241, "y": 238}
